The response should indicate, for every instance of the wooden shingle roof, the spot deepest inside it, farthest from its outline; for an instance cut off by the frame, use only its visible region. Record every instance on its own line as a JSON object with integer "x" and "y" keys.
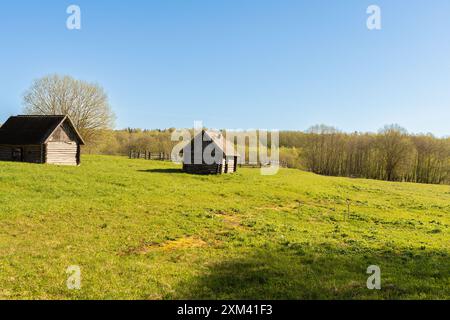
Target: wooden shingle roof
{"x": 32, "y": 130}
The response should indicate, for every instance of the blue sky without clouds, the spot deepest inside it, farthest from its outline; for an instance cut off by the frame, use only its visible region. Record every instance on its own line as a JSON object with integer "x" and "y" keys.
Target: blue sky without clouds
{"x": 273, "y": 64}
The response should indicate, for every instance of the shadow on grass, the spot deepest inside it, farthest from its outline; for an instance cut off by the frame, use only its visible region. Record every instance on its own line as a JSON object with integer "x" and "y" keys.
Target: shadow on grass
{"x": 309, "y": 276}
{"x": 172, "y": 170}
{"x": 168, "y": 170}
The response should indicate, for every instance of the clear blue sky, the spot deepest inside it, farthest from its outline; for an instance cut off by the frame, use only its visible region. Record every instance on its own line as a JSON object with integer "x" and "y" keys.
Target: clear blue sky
{"x": 278, "y": 64}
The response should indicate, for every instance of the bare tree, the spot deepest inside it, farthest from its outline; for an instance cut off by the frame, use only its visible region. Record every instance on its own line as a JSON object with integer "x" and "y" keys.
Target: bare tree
{"x": 394, "y": 148}
{"x": 86, "y": 103}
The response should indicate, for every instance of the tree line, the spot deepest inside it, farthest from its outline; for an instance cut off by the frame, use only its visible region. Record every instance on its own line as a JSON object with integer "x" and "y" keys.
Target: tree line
{"x": 121, "y": 142}
{"x": 391, "y": 154}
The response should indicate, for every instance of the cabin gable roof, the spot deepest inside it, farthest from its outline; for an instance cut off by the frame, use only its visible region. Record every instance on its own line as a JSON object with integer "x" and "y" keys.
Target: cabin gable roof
{"x": 218, "y": 139}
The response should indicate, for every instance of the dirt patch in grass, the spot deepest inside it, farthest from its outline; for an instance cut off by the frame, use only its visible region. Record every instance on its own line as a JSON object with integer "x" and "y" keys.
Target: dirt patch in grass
{"x": 184, "y": 243}
{"x": 232, "y": 221}
{"x": 172, "y": 245}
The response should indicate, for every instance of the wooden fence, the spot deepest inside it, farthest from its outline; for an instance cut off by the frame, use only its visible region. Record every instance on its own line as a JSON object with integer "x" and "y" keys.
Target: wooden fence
{"x": 161, "y": 156}
{"x": 147, "y": 155}
{"x": 282, "y": 164}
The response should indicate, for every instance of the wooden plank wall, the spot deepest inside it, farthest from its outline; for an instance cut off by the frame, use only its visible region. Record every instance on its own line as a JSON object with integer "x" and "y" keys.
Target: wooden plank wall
{"x": 5, "y": 153}
{"x": 203, "y": 168}
{"x": 62, "y": 153}
{"x": 231, "y": 168}
{"x": 30, "y": 154}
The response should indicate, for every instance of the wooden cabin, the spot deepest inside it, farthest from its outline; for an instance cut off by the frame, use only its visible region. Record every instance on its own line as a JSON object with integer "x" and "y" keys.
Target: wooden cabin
{"x": 225, "y": 159}
{"x": 40, "y": 139}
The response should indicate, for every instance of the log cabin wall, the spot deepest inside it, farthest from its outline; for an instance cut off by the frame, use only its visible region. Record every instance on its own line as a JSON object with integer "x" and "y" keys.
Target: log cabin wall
{"x": 30, "y": 153}
{"x": 231, "y": 164}
{"x": 5, "y": 153}
{"x": 202, "y": 168}
{"x": 62, "y": 153}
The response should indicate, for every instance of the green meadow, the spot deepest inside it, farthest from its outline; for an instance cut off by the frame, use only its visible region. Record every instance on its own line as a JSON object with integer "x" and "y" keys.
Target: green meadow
{"x": 144, "y": 230}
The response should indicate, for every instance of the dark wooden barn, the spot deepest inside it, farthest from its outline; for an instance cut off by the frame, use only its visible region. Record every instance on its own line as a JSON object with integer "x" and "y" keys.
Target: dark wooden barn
{"x": 40, "y": 139}
{"x": 214, "y": 143}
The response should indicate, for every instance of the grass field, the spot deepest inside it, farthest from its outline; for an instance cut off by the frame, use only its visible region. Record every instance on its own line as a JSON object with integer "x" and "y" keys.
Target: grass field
{"x": 143, "y": 230}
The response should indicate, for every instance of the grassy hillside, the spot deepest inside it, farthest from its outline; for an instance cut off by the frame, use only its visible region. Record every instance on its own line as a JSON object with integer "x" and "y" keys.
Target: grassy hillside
{"x": 144, "y": 230}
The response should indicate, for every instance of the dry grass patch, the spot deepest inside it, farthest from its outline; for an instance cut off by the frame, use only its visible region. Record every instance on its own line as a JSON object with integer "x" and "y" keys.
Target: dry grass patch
{"x": 172, "y": 245}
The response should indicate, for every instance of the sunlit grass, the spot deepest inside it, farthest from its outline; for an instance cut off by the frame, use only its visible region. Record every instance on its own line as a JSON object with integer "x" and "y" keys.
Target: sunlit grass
{"x": 143, "y": 230}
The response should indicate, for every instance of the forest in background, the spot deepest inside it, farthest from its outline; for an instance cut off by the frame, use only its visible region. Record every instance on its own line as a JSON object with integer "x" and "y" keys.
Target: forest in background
{"x": 392, "y": 154}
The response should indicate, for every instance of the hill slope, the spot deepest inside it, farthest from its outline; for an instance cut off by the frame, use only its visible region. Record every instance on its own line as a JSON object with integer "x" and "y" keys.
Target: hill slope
{"x": 144, "y": 230}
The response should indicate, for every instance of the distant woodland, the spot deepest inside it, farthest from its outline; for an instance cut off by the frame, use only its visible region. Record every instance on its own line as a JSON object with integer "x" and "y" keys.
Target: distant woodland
{"x": 391, "y": 154}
